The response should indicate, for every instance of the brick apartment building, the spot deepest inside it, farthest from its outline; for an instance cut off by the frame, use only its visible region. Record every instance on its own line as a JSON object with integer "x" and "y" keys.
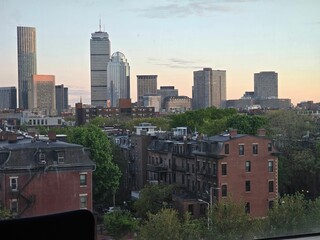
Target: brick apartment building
{"x": 239, "y": 166}
{"x": 39, "y": 177}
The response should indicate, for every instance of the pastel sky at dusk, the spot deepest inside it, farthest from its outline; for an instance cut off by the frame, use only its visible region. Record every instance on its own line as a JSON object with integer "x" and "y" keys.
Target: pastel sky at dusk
{"x": 172, "y": 39}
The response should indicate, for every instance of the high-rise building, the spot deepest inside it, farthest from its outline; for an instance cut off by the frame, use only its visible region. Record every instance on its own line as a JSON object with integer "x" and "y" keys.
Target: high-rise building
{"x": 266, "y": 85}
{"x": 44, "y": 97}
{"x": 146, "y": 84}
{"x": 166, "y": 91}
{"x": 118, "y": 80}
{"x": 99, "y": 58}
{"x": 61, "y": 98}
{"x": 27, "y": 63}
{"x": 209, "y": 88}
{"x": 8, "y": 97}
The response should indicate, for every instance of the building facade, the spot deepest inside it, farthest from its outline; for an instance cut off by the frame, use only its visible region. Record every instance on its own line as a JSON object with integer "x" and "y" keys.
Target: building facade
{"x": 146, "y": 84}
{"x": 43, "y": 94}
{"x": 166, "y": 91}
{"x": 41, "y": 177}
{"x": 118, "y": 80}
{"x": 152, "y": 101}
{"x": 266, "y": 85}
{"x": 177, "y": 104}
{"x": 99, "y": 58}
{"x": 62, "y": 102}
{"x": 8, "y": 97}
{"x": 209, "y": 88}
{"x": 27, "y": 64}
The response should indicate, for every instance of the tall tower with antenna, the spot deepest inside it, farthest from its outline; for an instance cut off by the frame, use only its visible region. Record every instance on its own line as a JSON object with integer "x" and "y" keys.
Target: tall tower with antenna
{"x": 99, "y": 58}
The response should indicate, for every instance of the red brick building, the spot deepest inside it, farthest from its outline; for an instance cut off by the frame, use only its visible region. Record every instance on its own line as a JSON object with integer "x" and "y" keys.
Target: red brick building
{"x": 240, "y": 166}
{"x": 39, "y": 177}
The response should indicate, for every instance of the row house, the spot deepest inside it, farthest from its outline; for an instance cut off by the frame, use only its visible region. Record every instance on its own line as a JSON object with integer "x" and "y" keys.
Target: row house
{"x": 40, "y": 177}
{"x": 240, "y": 166}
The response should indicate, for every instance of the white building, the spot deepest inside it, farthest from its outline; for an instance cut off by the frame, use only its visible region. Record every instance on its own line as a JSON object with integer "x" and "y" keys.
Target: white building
{"x": 118, "y": 80}
{"x": 31, "y": 119}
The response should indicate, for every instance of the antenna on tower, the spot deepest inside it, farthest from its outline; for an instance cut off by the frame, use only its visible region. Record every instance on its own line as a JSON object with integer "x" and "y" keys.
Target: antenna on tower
{"x": 104, "y": 27}
{"x": 100, "y": 24}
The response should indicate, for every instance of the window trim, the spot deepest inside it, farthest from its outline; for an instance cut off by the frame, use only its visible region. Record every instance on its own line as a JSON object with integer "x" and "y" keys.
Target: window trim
{"x": 226, "y": 190}
{"x": 86, "y": 179}
{"x": 247, "y": 186}
{"x": 224, "y": 173}
{"x": 83, "y": 196}
{"x": 247, "y": 168}
{"x": 269, "y": 181}
{"x": 226, "y": 148}
{"x": 17, "y": 185}
{"x": 255, "y": 151}
{"x": 241, "y": 153}
{"x": 271, "y": 161}
{"x": 14, "y": 200}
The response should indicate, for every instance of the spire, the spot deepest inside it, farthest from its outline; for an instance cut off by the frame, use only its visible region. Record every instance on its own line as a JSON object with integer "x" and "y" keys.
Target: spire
{"x": 100, "y": 24}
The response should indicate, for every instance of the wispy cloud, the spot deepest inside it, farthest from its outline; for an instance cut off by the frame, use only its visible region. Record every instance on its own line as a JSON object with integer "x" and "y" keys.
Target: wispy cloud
{"x": 175, "y": 63}
{"x": 174, "y": 8}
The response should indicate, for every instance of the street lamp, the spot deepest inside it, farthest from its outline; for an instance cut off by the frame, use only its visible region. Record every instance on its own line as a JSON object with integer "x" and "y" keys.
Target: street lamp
{"x": 208, "y": 217}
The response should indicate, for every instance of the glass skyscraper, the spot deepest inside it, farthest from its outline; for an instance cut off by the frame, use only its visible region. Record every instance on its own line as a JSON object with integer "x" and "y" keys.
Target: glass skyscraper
{"x": 118, "y": 79}
{"x": 27, "y": 64}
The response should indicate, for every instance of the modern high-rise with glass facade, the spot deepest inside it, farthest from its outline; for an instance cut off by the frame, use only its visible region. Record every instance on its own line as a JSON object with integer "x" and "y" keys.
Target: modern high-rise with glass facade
{"x": 99, "y": 58}
{"x": 146, "y": 84}
{"x": 209, "y": 88}
{"x": 8, "y": 97}
{"x": 61, "y": 98}
{"x": 27, "y": 64}
{"x": 266, "y": 85}
{"x": 118, "y": 79}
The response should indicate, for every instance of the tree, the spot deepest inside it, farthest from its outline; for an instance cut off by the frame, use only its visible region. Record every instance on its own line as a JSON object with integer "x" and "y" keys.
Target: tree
{"x": 229, "y": 221}
{"x": 246, "y": 124}
{"x": 153, "y": 198}
{"x": 288, "y": 215}
{"x": 120, "y": 223}
{"x": 4, "y": 213}
{"x": 107, "y": 174}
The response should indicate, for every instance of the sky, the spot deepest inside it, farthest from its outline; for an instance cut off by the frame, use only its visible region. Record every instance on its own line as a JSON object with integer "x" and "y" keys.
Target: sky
{"x": 171, "y": 38}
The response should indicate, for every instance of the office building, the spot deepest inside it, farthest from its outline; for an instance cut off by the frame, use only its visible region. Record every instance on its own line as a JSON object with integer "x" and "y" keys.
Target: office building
{"x": 152, "y": 101}
{"x": 266, "y": 85}
{"x": 146, "y": 84}
{"x": 209, "y": 88}
{"x": 8, "y": 97}
{"x": 118, "y": 79}
{"x": 166, "y": 91}
{"x": 44, "y": 97}
{"x": 27, "y": 63}
{"x": 177, "y": 104}
{"x": 61, "y": 98}
{"x": 99, "y": 58}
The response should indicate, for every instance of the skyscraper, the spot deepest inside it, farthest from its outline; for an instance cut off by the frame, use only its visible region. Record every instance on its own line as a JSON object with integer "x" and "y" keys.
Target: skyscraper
{"x": 146, "y": 84}
{"x": 44, "y": 98}
{"x": 118, "y": 79}
{"x": 27, "y": 63}
{"x": 8, "y": 97}
{"x": 266, "y": 85}
{"x": 99, "y": 58}
{"x": 209, "y": 88}
{"x": 61, "y": 98}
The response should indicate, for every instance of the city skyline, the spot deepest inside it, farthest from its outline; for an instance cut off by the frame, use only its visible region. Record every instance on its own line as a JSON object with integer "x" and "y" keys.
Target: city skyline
{"x": 172, "y": 39}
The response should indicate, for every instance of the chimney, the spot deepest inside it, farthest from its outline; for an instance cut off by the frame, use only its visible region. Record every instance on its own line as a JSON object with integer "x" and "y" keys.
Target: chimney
{"x": 12, "y": 138}
{"x": 233, "y": 133}
{"x": 261, "y": 132}
{"x": 52, "y": 136}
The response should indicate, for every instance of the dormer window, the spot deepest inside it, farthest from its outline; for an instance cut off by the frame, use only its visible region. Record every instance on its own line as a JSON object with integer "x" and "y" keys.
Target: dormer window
{"x": 60, "y": 157}
{"x": 42, "y": 157}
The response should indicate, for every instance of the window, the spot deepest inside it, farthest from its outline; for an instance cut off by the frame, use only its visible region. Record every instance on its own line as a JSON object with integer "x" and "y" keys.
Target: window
{"x": 203, "y": 209}
{"x": 247, "y": 207}
{"x": 83, "y": 179}
{"x": 83, "y": 201}
{"x": 42, "y": 157}
{"x": 182, "y": 179}
{"x": 192, "y": 168}
{"x": 223, "y": 169}
{"x": 14, "y": 206}
{"x": 270, "y": 166}
{"x": 241, "y": 149}
{"x": 248, "y": 186}
{"x": 60, "y": 157}
{"x": 14, "y": 183}
{"x": 269, "y": 147}
{"x": 224, "y": 190}
{"x": 255, "y": 149}
{"x": 214, "y": 169}
{"x": 190, "y": 209}
{"x": 248, "y": 166}
{"x": 226, "y": 148}
{"x": 271, "y": 186}
{"x": 271, "y": 203}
